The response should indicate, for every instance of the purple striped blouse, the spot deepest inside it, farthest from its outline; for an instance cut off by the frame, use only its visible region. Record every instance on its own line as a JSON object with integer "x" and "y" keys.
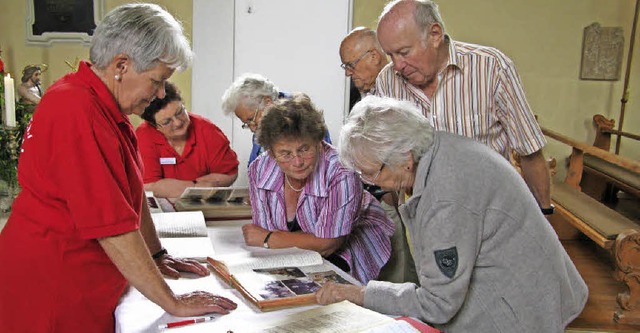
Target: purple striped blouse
{"x": 332, "y": 204}
{"x": 479, "y": 95}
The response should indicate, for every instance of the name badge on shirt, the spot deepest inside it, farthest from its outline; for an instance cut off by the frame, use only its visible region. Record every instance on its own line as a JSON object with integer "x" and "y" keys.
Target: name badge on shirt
{"x": 167, "y": 160}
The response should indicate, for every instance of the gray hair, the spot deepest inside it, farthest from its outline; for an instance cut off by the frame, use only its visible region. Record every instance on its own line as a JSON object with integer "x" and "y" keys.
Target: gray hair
{"x": 146, "y": 33}
{"x": 248, "y": 89}
{"x": 426, "y": 13}
{"x": 382, "y": 129}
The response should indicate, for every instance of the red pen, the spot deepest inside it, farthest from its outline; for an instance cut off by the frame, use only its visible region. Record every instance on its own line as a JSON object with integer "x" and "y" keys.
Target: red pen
{"x": 186, "y": 322}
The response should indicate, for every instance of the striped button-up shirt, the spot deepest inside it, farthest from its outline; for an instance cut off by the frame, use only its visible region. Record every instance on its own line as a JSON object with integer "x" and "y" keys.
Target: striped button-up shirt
{"x": 332, "y": 204}
{"x": 479, "y": 95}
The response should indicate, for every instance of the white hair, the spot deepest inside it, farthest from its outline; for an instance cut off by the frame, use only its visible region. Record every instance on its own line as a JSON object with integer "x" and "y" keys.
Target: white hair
{"x": 248, "y": 89}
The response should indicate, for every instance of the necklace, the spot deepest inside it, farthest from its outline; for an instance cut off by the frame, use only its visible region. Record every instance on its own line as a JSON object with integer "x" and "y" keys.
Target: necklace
{"x": 291, "y": 186}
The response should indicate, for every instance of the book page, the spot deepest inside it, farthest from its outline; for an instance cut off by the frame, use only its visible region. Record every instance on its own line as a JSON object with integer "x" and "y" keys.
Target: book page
{"x": 198, "y": 248}
{"x": 344, "y": 317}
{"x": 269, "y": 258}
{"x": 180, "y": 224}
{"x": 283, "y": 282}
{"x": 396, "y": 326}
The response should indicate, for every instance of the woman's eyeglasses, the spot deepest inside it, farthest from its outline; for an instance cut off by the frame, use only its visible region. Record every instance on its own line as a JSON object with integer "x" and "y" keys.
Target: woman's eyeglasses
{"x": 181, "y": 115}
{"x": 252, "y": 122}
{"x": 305, "y": 153}
{"x": 371, "y": 180}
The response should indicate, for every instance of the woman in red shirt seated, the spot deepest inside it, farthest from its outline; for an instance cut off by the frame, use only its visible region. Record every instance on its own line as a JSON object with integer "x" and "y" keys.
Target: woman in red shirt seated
{"x": 182, "y": 149}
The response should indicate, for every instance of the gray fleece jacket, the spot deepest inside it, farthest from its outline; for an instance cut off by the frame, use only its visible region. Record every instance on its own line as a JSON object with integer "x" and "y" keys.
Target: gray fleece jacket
{"x": 487, "y": 259}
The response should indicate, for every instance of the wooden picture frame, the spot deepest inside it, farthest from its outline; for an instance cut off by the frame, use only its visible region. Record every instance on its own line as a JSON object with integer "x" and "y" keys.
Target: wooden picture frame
{"x": 62, "y": 21}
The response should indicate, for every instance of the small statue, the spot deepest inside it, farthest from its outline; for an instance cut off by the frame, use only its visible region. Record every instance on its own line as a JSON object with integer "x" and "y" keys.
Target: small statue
{"x": 29, "y": 90}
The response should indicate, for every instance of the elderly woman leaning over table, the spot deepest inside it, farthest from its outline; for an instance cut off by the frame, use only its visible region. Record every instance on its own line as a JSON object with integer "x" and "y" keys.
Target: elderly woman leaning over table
{"x": 181, "y": 149}
{"x": 486, "y": 257}
{"x": 80, "y": 231}
{"x": 303, "y": 196}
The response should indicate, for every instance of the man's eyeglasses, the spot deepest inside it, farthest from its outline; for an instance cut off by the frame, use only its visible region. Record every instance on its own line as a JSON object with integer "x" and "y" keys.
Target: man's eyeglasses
{"x": 251, "y": 122}
{"x": 305, "y": 153}
{"x": 352, "y": 65}
{"x": 371, "y": 180}
{"x": 181, "y": 115}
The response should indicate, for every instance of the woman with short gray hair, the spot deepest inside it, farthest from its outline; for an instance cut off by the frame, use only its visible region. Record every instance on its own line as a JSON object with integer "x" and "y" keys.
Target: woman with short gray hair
{"x": 486, "y": 257}
{"x": 80, "y": 231}
{"x": 250, "y": 90}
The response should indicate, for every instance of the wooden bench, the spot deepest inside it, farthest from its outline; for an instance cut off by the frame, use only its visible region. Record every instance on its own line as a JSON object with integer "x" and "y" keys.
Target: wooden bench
{"x": 606, "y": 227}
{"x": 602, "y": 179}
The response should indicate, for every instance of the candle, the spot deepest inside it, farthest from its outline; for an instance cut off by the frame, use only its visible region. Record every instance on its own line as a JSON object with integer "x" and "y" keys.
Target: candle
{"x": 9, "y": 102}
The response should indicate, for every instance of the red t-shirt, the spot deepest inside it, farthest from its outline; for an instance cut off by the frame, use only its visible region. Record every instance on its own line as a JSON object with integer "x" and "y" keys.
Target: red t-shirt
{"x": 81, "y": 180}
{"x": 207, "y": 151}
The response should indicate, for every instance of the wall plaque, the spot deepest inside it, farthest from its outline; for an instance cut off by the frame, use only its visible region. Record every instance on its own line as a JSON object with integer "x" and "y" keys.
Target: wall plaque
{"x": 601, "y": 53}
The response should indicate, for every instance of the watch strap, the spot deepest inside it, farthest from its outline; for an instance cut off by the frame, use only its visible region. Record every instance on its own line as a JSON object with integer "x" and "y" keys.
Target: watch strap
{"x": 265, "y": 244}
{"x": 549, "y": 210}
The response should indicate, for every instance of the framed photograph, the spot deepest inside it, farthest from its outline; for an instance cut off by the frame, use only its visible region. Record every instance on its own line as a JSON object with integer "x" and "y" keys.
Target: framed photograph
{"x": 65, "y": 21}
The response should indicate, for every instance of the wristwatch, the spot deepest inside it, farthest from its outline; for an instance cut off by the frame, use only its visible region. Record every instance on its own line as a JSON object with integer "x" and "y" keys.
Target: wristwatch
{"x": 548, "y": 211}
{"x": 265, "y": 244}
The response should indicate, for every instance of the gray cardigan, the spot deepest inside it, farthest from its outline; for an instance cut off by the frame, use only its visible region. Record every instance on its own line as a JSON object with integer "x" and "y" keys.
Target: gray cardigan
{"x": 487, "y": 259}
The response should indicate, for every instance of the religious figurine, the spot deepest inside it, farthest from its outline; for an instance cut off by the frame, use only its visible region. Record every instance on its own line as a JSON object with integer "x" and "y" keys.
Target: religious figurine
{"x": 29, "y": 90}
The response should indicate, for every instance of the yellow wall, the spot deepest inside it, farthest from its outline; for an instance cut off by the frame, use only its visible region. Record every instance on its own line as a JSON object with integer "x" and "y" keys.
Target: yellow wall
{"x": 16, "y": 53}
{"x": 543, "y": 37}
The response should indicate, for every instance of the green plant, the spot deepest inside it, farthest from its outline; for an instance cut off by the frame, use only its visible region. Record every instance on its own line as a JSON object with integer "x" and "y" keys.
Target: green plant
{"x": 10, "y": 141}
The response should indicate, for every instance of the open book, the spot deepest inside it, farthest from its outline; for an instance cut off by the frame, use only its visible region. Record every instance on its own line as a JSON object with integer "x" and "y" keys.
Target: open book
{"x": 344, "y": 317}
{"x": 184, "y": 234}
{"x": 216, "y": 202}
{"x": 277, "y": 278}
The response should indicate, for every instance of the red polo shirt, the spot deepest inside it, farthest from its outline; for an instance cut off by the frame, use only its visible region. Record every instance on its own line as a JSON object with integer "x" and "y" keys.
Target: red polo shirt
{"x": 81, "y": 180}
{"x": 207, "y": 151}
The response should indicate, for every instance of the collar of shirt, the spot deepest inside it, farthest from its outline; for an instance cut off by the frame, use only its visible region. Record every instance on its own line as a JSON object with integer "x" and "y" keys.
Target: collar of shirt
{"x": 87, "y": 75}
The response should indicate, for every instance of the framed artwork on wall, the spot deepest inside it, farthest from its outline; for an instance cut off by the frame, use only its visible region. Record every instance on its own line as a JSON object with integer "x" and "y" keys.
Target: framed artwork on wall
{"x": 65, "y": 21}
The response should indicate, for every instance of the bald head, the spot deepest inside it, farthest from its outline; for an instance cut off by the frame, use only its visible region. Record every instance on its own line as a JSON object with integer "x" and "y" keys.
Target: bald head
{"x": 425, "y": 13}
{"x": 411, "y": 32}
{"x": 362, "y": 57}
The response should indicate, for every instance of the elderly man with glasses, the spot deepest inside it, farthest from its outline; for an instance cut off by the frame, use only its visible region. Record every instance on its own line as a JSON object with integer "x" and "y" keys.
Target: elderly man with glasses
{"x": 362, "y": 59}
{"x": 181, "y": 150}
{"x": 247, "y": 98}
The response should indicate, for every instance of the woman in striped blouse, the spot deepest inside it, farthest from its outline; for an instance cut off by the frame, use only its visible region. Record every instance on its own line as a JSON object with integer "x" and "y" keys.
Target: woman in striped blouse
{"x": 302, "y": 196}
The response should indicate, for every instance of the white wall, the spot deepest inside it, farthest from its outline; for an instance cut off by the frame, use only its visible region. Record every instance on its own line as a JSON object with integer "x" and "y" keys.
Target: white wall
{"x": 292, "y": 42}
